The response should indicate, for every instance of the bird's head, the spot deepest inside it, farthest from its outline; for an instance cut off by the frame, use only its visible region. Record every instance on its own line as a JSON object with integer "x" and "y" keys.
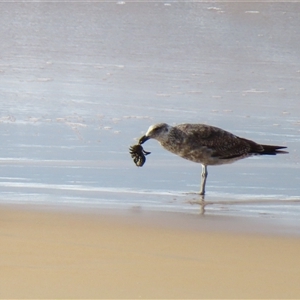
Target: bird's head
{"x": 158, "y": 132}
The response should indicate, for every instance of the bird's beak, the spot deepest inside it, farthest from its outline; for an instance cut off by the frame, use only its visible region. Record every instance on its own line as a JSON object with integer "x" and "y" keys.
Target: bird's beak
{"x": 143, "y": 139}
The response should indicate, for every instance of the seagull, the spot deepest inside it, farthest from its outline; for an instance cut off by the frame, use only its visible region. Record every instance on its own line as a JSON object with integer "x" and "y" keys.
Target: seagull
{"x": 207, "y": 145}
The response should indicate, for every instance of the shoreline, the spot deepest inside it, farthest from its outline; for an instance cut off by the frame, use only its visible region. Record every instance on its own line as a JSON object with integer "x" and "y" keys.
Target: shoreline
{"x": 261, "y": 225}
{"x": 51, "y": 253}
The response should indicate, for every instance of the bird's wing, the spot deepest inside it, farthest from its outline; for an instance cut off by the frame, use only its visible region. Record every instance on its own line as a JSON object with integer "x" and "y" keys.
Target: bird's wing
{"x": 223, "y": 144}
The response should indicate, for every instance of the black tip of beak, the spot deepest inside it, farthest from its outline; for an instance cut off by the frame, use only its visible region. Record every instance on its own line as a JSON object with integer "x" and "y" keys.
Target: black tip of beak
{"x": 143, "y": 139}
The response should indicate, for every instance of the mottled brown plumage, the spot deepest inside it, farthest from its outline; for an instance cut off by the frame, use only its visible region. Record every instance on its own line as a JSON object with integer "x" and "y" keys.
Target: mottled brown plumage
{"x": 206, "y": 144}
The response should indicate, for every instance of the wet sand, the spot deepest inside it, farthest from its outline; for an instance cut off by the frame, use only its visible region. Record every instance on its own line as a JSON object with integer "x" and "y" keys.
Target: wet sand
{"x": 67, "y": 254}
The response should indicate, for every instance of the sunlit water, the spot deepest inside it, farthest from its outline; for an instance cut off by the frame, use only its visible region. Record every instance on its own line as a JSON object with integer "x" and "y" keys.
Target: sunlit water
{"x": 80, "y": 82}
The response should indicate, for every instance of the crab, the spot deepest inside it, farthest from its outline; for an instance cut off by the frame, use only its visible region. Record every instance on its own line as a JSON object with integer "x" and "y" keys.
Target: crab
{"x": 138, "y": 154}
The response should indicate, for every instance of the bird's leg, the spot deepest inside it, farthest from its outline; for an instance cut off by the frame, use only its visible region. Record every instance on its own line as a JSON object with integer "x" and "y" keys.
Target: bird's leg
{"x": 203, "y": 179}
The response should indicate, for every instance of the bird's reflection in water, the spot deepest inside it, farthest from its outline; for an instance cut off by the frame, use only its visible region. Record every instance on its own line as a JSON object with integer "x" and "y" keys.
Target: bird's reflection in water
{"x": 201, "y": 202}
{"x": 279, "y": 204}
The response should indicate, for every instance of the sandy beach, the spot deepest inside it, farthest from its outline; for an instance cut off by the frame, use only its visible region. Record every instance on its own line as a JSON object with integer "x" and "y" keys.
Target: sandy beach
{"x": 64, "y": 254}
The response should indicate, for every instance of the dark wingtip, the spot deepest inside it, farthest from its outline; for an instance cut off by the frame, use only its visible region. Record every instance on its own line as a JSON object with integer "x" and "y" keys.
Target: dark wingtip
{"x": 273, "y": 150}
{"x": 281, "y": 152}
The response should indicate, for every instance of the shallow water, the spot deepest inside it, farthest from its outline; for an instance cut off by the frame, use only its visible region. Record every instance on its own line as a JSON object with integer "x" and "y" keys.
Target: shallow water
{"x": 82, "y": 81}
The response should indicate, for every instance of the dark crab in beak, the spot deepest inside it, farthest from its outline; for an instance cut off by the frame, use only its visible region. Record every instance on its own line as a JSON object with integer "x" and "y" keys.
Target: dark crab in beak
{"x": 138, "y": 154}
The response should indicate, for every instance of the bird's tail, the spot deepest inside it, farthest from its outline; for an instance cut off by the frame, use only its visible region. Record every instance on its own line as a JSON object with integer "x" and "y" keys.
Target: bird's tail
{"x": 272, "y": 150}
